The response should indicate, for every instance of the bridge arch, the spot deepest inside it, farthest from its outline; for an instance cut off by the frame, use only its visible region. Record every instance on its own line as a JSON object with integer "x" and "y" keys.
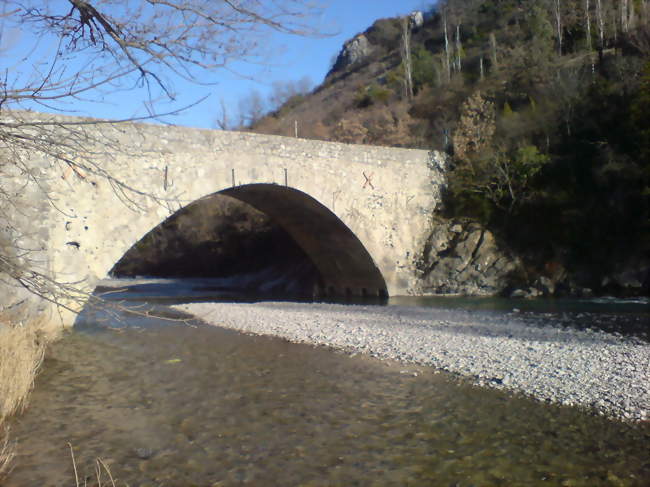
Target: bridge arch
{"x": 345, "y": 266}
{"x": 303, "y": 228}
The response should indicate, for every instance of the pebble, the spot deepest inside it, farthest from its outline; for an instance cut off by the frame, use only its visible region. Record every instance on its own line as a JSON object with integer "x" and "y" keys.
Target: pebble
{"x": 547, "y": 360}
{"x": 143, "y": 453}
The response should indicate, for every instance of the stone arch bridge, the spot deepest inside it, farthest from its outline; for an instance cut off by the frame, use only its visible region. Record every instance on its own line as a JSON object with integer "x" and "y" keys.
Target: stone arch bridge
{"x": 361, "y": 213}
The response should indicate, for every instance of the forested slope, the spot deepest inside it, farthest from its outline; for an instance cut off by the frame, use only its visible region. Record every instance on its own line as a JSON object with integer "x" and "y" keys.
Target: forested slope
{"x": 544, "y": 106}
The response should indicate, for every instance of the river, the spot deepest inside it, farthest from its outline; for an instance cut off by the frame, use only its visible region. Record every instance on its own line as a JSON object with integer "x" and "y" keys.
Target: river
{"x": 177, "y": 403}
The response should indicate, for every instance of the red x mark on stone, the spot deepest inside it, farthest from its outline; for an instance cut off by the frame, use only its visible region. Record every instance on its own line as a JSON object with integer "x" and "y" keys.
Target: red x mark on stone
{"x": 368, "y": 181}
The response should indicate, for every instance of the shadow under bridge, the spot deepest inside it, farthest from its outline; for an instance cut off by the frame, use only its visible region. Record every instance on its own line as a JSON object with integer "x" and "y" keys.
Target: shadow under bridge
{"x": 345, "y": 266}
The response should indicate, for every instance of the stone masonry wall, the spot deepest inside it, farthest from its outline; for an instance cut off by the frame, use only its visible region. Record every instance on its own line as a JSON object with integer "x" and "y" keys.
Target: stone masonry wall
{"x": 89, "y": 219}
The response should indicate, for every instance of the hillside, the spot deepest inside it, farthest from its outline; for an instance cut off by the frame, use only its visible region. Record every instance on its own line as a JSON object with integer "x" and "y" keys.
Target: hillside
{"x": 544, "y": 107}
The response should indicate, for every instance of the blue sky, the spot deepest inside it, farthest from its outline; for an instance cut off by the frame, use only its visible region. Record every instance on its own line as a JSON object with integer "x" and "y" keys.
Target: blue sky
{"x": 293, "y": 58}
{"x": 300, "y": 57}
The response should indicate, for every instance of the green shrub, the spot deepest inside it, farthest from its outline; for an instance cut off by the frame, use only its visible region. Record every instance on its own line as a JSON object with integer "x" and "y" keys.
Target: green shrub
{"x": 424, "y": 69}
{"x": 372, "y": 94}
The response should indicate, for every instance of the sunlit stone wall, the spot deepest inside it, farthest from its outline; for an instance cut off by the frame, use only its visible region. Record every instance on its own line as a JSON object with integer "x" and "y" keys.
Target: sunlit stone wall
{"x": 90, "y": 218}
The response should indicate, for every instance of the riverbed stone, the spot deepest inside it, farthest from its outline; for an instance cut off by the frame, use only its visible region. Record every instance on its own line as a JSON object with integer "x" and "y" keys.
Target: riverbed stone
{"x": 537, "y": 356}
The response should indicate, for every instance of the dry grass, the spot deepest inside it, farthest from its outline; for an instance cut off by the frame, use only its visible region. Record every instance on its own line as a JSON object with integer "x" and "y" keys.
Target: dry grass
{"x": 21, "y": 354}
{"x": 22, "y": 346}
{"x": 6, "y": 452}
{"x": 100, "y": 467}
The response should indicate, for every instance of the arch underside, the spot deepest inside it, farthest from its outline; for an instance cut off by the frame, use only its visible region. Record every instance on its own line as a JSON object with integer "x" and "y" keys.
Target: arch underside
{"x": 345, "y": 266}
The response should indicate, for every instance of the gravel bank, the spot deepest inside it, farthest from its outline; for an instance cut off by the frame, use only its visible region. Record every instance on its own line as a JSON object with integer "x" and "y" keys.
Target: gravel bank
{"x": 588, "y": 368}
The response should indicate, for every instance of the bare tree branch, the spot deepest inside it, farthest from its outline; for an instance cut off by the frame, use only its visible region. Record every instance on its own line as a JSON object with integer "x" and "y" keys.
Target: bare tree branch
{"x": 81, "y": 50}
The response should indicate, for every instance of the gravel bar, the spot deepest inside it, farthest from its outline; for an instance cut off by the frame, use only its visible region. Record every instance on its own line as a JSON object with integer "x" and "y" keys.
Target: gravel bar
{"x": 606, "y": 372}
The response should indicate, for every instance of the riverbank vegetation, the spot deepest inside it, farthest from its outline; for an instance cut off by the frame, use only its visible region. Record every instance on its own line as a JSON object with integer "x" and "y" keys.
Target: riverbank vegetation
{"x": 543, "y": 107}
{"x": 22, "y": 346}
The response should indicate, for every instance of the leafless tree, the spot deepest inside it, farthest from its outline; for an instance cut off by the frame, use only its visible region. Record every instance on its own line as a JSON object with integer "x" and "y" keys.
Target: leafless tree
{"x": 588, "y": 34}
{"x": 254, "y": 106}
{"x": 588, "y": 24}
{"x": 83, "y": 50}
{"x": 251, "y": 108}
{"x": 447, "y": 49}
{"x": 493, "y": 51}
{"x": 223, "y": 121}
{"x": 406, "y": 57}
{"x": 601, "y": 26}
{"x": 459, "y": 49}
{"x": 283, "y": 91}
{"x": 624, "y": 6}
{"x": 557, "y": 11}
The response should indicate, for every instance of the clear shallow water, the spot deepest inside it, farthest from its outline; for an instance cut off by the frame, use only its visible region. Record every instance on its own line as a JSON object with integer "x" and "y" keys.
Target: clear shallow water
{"x": 164, "y": 403}
{"x": 630, "y": 316}
{"x": 605, "y": 304}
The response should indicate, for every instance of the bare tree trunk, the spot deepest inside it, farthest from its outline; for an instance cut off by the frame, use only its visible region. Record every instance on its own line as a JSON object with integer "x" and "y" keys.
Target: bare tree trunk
{"x": 493, "y": 46}
{"x": 588, "y": 24}
{"x": 482, "y": 70}
{"x": 642, "y": 14}
{"x": 447, "y": 54}
{"x": 223, "y": 122}
{"x": 601, "y": 24}
{"x": 624, "y": 18}
{"x": 601, "y": 29}
{"x": 588, "y": 30}
{"x": 459, "y": 49}
{"x": 558, "y": 23}
{"x": 615, "y": 27}
{"x": 406, "y": 58}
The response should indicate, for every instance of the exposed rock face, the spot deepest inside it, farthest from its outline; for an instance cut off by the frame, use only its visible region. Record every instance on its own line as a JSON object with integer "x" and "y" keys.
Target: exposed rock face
{"x": 476, "y": 126}
{"x": 354, "y": 50}
{"x": 361, "y": 46}
{"x": 462, "y": 257}
{"x": 416, "y": 19}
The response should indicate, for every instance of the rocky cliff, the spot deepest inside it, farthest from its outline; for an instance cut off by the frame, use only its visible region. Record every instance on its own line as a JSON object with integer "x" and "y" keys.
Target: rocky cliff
{"x": 461, "y": 257}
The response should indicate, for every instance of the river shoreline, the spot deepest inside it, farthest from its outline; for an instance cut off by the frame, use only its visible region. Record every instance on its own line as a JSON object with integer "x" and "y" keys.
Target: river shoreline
{"x": 592, "y": 369}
